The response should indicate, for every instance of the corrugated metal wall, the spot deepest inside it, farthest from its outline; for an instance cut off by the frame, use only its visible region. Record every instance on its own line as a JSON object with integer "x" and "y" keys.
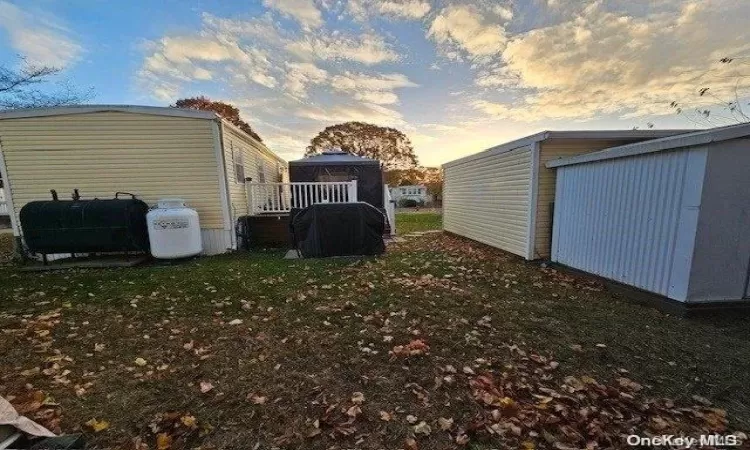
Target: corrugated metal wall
{"x": 550, "y": 150}
{"x": 487, "y": 199}
{"x": 632, "y": 220}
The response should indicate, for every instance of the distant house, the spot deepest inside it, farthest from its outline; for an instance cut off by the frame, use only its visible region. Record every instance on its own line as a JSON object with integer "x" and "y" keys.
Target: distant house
{"x": 150, "y": 152}
{"x": 417, "y": 192}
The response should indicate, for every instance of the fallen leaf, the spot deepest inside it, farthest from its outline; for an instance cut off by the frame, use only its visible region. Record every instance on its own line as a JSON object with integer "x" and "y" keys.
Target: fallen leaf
{"x": 422, "y": 428}
{"x": 354, "y": 411}
{"x": 445, "y": 424}
{"x": 462, "y": 439}
{"x": 411, "y": 444}
{"x": 97, "y": 425}
{"x": 358, "y": 398}
{"x": 257, "y": 399}
{"x": 413, "y": 348}
{"x": 701, "y": 400}
{"x": 206, "y": 386}
{"x": 163, "y": 441}
{"x": 411, "y": 419}
{"x": 140, "y": 362}
{"x": 235, "y": 322}
{"x": 385, "y": 416}
{"x": 189, "y": 421}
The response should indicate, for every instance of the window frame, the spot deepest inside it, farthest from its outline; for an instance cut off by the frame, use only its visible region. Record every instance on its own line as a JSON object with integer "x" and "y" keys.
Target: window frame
{"x": 238, "y": 163}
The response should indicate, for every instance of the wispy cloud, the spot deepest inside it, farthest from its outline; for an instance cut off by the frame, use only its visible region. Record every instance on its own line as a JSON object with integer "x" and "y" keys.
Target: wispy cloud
{"x": 465, "y": 30}
{"x": 520, "y": 63}
{"x": 399, "y": 9}
{"x": 38, "y": 36}
{"x": 303, "y": 11}
{"x": 606, "y": 62}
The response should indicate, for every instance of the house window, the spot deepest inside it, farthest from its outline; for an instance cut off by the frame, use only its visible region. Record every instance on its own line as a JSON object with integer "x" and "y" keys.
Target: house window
{"x": 403, "y": 190}
{"x": 238, "y": 160}
{"x": 261, "y": 170}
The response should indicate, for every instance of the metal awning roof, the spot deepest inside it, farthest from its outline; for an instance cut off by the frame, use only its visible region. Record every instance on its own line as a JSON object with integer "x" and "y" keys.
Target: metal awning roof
{"x": 693, "y": 139}
{"x": 569, "y": 135}
{"x": 335, "y": 158}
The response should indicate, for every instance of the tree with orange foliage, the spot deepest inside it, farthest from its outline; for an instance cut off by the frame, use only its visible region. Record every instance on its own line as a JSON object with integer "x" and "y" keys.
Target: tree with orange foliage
{"x": 225, "y": 110}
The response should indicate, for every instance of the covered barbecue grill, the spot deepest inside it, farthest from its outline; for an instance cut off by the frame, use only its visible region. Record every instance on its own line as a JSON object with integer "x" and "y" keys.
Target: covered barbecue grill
{"x": 338, "y": 229}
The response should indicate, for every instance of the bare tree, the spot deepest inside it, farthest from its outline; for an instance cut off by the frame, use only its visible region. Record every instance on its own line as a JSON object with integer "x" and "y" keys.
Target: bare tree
{"x": 719, "y": 98}
{"x": 28, "y": 87}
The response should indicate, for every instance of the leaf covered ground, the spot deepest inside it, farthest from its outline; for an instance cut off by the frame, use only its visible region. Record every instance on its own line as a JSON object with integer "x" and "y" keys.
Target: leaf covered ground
{"x": 440, "y": 343}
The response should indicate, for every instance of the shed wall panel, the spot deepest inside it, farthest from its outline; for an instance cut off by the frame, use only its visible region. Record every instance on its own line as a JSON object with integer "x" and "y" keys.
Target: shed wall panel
{"x": 554, "y": 149}
{"x": 487, "y": 199}
{"x": 721, "y": 261}
{"x": 101, "y": 153}
{"x": 631, "y": 219}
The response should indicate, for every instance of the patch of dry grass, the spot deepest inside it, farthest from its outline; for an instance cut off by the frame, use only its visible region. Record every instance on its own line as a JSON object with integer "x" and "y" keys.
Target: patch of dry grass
{"x": 253, "y": 349}
{"x": 407, "y": 222}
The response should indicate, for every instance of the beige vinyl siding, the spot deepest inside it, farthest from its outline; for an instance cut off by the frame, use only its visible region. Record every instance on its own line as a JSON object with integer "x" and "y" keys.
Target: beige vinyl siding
{"x": 256, "y": 157}
{"x": 101, "y": 153}
{"x": 550, "y": 150}
{"x": 487, "y": 199}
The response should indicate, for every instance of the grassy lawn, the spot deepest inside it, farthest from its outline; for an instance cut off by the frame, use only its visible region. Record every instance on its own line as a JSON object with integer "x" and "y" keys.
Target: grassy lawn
{"x": 410, "y": 221}
{"x": 439, "y": 342}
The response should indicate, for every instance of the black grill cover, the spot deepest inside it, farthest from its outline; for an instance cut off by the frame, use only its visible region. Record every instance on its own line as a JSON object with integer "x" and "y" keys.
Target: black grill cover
{"x": 339, "y": 229}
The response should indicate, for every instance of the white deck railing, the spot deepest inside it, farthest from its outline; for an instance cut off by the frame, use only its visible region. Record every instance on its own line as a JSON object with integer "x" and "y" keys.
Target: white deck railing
{"x": 265, "y": 198}
{"x": 3, "y": 203}
{"x": 390, "y": 209}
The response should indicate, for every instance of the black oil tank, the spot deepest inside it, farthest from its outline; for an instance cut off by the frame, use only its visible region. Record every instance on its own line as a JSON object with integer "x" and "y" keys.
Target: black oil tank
{"x": 85, "y": 226}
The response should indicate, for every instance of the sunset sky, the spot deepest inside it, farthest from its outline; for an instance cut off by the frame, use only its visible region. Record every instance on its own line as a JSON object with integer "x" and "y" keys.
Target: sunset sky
{"x": 455, "y": 76}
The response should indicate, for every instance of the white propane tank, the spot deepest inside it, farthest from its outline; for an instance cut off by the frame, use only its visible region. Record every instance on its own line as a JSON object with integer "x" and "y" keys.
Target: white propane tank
{"x": 174, "y": 230}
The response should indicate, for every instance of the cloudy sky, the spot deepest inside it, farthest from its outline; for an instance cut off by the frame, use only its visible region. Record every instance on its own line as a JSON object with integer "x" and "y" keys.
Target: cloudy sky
{"x": 456, "y": 76}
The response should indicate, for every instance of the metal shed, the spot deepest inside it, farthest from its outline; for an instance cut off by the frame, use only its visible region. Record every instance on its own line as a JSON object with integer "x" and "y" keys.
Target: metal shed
{"x": 503, "y": 196}
{"x": 669, "y": 216}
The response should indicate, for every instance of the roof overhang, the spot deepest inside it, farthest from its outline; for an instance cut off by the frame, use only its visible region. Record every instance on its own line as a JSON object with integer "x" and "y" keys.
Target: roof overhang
{"x": 567, "y": 135}
{"x": 87, "y": 109}
{"x": 685, "y": 140}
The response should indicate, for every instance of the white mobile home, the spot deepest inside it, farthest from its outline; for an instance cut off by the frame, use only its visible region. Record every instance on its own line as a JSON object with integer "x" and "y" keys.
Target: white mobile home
{"x": 147, "y": 151}
{"x": 503, "y": 196}
{"x": 669, "y": 216}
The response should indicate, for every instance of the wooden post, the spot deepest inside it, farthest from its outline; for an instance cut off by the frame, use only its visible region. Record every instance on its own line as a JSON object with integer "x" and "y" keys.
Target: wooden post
{"x": 250, "y": 198}
{"x": 353, "y": 191}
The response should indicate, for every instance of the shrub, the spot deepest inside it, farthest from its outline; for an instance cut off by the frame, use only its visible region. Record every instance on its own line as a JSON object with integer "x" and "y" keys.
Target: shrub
{"x": 410, "y": 203}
